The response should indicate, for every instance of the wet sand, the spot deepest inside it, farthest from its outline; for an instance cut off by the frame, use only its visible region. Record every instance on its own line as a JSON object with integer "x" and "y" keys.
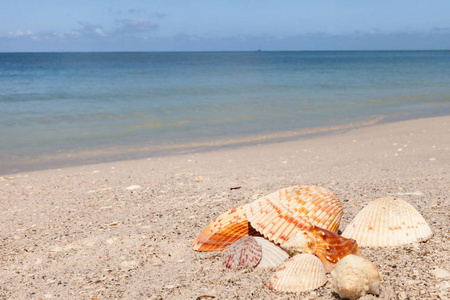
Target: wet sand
{"x": 124, "y": 230}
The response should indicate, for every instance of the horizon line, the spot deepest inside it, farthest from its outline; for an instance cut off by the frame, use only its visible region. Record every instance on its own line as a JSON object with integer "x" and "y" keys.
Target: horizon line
{"x": 225, "y": 51}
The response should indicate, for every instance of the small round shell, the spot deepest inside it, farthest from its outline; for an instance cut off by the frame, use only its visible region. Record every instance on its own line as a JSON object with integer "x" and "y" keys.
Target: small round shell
{"x": 285, "y": 212}
{"x": 326, "y": 245}
{"x": 272, "y": 255}
{"x": 301, "y": 273}
{"x": 388, "y": 222}
{"x": 355, "y": 276}
{"x": 244, "y": 252}
{"x": 225, "y": 230}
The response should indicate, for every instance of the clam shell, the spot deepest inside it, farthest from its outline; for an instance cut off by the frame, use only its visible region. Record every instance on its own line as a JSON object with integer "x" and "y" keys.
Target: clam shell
{"x": 244, "y": 252}
{"x": 388, "y": 222}
{"x": 326, "y": 245}
{"x": 285, "y": 212}
{"x": 272, "y": 255}
{"x": 355, "y": 276}
{"x": 225, "y": 230}
{"x": 301, "y": 273}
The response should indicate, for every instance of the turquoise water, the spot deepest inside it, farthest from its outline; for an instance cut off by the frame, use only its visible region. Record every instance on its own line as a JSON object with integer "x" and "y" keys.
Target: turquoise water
{"x": 61, "y": 109}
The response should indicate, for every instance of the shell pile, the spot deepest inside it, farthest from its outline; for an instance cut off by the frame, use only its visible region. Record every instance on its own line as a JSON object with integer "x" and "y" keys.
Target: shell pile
{"x": 305, "y": 219}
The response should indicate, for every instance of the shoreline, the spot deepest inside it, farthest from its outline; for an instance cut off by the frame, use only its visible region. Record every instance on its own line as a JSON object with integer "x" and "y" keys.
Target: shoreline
{"x": 125, "y": 153}
{"x": 109, "y": 230}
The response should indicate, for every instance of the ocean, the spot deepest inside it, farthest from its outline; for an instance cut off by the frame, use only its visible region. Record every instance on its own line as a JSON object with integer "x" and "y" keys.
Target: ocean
{"x": 63, "y": 109}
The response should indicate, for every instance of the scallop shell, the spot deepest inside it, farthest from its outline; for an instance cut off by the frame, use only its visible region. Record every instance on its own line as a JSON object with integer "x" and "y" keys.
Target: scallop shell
{"x": 244, "y": 252}
{"x": 388, "y": 222}
{"x": 355, "y": 276}
{"x": 283, "y": 213}
{"x": 272, "y": 255}
{"x": 225, "y": 230}
{"x": 326, "y": 245}
{"x": 301, "y": 273}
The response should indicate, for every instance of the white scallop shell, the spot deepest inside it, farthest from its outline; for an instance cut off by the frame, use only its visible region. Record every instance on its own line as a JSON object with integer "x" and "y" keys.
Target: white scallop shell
{"x": 388, "y": 222}
{"x": 301, "y": 273}
{"x": 272, "y": 255}
{"x": 354, "y": 276}
{"x": 282, "y": 214}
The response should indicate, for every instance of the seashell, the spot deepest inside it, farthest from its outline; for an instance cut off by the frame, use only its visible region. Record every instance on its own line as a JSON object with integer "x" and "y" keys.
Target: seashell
{"x": 272, "y": 255}
{"x": 225, "y": 230}
{"x": 326, "y": 245}
{"x": 388, "y": 222}
{"x": 355, "y": 276}
{"x": 244, "y": 252}
{"x": 283, "y": 213}
{"x": 301, "y": 273}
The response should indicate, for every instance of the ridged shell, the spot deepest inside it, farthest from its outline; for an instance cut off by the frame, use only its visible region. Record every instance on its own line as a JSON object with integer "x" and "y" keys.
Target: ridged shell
{"x": 285, "y": 212}
{"x": 326, "y": 245}
{"x": 225, "y": 230}
{"x": 301, "y": 273}
{"x": 244, "y": 252}
{"x": 355, "y": 276}
{"x": 388, "y": 222}
{"x": 272, "y": 255}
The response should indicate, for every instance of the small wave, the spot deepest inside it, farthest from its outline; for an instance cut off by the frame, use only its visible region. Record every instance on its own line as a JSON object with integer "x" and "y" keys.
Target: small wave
{"x": 153, "y": 125}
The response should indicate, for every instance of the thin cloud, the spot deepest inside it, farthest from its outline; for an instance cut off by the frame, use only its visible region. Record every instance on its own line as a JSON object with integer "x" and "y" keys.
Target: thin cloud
{"x": 89, "y": 29}
{"x": 135, "y": 26}
{"x": 137, "y": 11}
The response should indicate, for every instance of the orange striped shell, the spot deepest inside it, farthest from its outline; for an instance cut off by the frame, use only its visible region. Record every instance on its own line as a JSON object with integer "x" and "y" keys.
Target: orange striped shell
{"x": 326, "y": 245}
{"x": 225, "y": 230}
{"x": 388, "y": 222}
{"x": 284, "y": 213}
{"x": 301, "y": 273}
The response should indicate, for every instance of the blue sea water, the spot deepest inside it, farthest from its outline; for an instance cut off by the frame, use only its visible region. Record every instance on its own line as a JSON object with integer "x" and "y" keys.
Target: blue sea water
{"x": 61, "y": 109}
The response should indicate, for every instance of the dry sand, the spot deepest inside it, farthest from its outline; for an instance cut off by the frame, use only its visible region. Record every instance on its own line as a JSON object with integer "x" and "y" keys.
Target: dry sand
{"x": 124, "y": 230}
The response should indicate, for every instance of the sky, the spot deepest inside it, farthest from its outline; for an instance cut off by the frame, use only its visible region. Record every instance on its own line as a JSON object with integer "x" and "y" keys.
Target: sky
{"x": 226, "y": 25}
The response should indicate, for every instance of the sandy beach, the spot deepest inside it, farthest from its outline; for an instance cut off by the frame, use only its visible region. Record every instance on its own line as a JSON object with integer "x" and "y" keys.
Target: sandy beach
{"x": 124, "y": 230}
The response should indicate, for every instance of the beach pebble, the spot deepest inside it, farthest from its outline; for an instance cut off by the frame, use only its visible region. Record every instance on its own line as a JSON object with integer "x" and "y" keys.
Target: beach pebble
{"x": 440, "y": 273}
{"x": 133, "y": 187}
{"x": 169, "y": 287}
{"x": 56, "y": 248}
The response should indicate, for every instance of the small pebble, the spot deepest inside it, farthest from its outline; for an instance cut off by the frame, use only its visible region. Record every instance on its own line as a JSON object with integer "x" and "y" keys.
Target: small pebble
{"x": 55, "y": 248}
{"x": 133, "y": 187}
{"x": 440, "y": 273}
